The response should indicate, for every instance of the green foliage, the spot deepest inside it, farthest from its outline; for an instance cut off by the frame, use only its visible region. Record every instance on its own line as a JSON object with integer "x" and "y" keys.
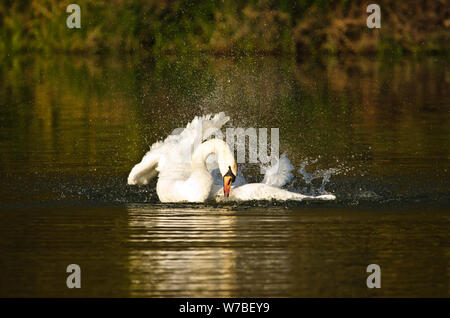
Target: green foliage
{"x": 304, "y": 27}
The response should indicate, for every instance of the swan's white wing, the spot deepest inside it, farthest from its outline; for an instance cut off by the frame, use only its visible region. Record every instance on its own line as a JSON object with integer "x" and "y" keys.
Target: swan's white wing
{"x": 210, "y": 125}
{"x": 145, "y": 170}
{"x": 280, "y": 173}
{"x": 183, "y": 145}
{"x": 276, "y": 176}
{"x": 173, "y": 155}
{"x": 260, "y": 191}
{"x": 200, "y": 129}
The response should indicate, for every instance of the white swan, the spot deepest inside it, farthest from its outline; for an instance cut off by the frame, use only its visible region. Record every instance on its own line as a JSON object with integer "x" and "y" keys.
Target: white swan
{"x": 181, "y": 165}
{"x": 183, "y": 174}
{"x": 275, "y": 177}
{"x": 175, "y": 187}
{"x": 176, "y": 150}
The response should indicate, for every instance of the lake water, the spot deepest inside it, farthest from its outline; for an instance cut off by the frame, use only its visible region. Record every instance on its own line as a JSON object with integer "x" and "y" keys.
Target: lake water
{"x": 72, "y": 127}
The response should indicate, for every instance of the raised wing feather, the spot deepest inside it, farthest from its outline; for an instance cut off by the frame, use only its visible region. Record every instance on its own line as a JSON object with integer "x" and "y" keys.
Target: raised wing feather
{"x": 280, "y": 173}
{"x": 173, "y": 155}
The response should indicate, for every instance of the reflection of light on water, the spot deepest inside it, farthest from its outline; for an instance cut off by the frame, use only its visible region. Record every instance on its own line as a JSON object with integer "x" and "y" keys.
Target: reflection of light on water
{"x": 181, "y": 252}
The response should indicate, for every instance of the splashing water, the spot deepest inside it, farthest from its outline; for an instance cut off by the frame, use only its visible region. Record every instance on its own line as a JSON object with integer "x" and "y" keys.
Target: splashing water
{"x": 308, "y": 177}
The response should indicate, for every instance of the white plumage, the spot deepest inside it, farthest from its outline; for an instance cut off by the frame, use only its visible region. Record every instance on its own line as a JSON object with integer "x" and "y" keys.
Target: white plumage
{"x": 172, "y": 157}
{"x": 276, "y": 176}
{"x": 183, "y": 163}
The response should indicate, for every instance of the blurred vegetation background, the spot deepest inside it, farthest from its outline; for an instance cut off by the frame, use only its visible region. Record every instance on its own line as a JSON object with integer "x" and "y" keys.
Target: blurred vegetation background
{"x": 92, "y": 112}
{"x": 300, "y": 27}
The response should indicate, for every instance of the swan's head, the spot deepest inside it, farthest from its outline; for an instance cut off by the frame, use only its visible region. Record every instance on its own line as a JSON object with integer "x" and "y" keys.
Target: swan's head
{"x": 227, "y": 166}
{"x": 228, "y": 179}
{"x": 225, "y": 159}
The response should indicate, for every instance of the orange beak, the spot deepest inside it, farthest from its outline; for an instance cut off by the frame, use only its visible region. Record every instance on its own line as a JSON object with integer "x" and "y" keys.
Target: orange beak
{"x": 227, "y": 180}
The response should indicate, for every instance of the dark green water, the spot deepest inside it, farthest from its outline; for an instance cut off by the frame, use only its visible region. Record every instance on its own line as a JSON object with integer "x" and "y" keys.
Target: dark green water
{"x": 71, "y": 128}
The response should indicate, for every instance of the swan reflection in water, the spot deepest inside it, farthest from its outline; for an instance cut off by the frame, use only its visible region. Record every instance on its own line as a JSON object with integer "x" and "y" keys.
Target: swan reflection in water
{"x": 205, "y": 252}
{"x": 182, "y": 252}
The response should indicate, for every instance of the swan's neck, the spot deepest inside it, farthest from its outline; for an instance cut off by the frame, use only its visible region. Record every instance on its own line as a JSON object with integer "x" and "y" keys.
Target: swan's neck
{"x": 202, "y": 152}
{"x": 213, "y": 146}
